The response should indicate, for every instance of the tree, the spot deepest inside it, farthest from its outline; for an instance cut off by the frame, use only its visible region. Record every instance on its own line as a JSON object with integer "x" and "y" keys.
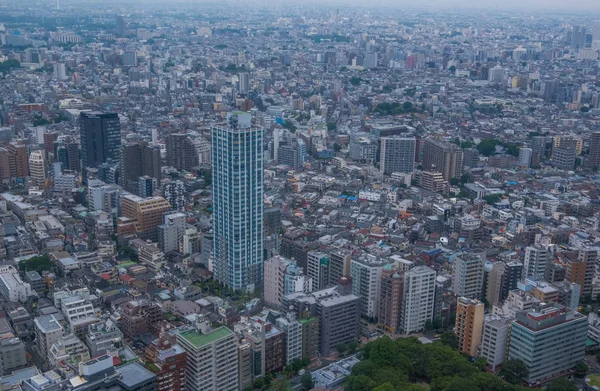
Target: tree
{"x": 492, "y": 198}
{"x": 480, "y": 363}
{"x": 581, "y": 368}
{"x": 385, "y": 387}
{"x": 307, "y": 381}
{"x": 561, "y": 384}
{"x": 513, "y": 371}
{"x": 355, "y": 80}
{"x": 280, "y": 384}
{"x": 258, "y": 383}
{"x": 40, "y": 264}
{"x": 448, "y": 338}
{"x": 341, "y": 348}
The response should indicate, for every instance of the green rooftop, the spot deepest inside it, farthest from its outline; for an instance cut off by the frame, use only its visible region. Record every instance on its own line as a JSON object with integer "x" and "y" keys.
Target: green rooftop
{"x": 200, "y": 340}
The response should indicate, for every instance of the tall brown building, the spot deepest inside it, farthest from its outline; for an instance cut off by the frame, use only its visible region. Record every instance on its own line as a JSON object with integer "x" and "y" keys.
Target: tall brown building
{"x": 49, "y": 140}
{"x": 274, "y": 349}
{"x": 469, "y": 325}
{"x": 390, "y": 299}
{"x": 168, "y": 362}
{"x": 13, "y": 162}
{"x": 443, "y": 157}
{"x": 138, "y": 317}
{"x": 181, "y": 152}
{"x": 138, "y": 160}
{"x": 142, "y": 215}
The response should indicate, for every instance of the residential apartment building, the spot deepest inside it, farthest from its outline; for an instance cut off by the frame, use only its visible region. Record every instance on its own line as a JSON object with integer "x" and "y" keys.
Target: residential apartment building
{"x": 494, "y": 340}
{"x": 469, "y": 325}
{"x": 397, "y": 154}
{"x": 468, "y": 272}
{"x": 443, "y": 157}
{"x": 337, "y": 310}
{"x": 418, "y": 299}
{"x": 237, "y": 175}
{"x": 212, "y": 359}
{"x": 366, "y": 279}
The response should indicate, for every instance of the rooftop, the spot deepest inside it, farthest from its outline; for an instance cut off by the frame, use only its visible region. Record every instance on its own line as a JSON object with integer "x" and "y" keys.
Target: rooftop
{"x": 199, "y": 340}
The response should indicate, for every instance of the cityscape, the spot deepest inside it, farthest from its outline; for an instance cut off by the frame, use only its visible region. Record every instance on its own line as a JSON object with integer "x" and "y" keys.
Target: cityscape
{"x": 274, "y": 196}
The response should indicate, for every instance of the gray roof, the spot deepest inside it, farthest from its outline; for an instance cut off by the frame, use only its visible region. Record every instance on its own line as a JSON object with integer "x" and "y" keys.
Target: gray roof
{"x": 134, "y": 374}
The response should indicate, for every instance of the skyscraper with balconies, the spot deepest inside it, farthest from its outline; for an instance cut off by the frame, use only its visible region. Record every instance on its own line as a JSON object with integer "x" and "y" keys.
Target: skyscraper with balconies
{"x": 237, "y": 156}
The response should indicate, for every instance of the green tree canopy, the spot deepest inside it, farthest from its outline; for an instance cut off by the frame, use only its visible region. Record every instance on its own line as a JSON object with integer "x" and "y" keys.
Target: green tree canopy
{"x": 513, "y": 371}
{"x": 561, "y": 384}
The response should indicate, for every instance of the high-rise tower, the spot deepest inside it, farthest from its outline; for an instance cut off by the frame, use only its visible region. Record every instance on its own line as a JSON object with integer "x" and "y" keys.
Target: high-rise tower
{"x": 100, "y": 139}
{"x": 237, "y": 156}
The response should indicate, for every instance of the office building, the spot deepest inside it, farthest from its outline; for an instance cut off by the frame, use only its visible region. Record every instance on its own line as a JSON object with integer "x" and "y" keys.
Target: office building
{"x": 317, "y": 268}
{"x": 564, "y": 158}
{"x": 443, "y": 157}
{"x": 468, "y": 272}
{"x": 366, "y": 278}
{"x": 525, "y": 155}
{"x": 237, "y": 176}
{"x": 244, "y": 82}
{"x": 339, "y": 264}
{"x": 337, "y": 310}
{"x": 578, "y": 37}
{"x": 550, "y": 339}
{"x": 469, "y": 325}
{"x": 120, "y": 26}
{"x": 129, "y": 58}
{"x": 397, "y": 154}
{"x": 536, "y": 261}
{"x": 212, "y": 359}
{"x": 391, "y": 294}
{"x": 139, "y": 160}
{"x": 100, "y": 135}
{"x": 142, "y": 215}
{"x": 49, "y": 139}
{"x": 501, "y": 279}
{"x": 595, "y": 151}
{"x": 418, "y": 299}
{"x": 292, "y": 154}
{"x": 181, "y": 152}
{"x": 60, "y": 72}
{"x": 146, "y": 186}
{"x": 494, "y": 341}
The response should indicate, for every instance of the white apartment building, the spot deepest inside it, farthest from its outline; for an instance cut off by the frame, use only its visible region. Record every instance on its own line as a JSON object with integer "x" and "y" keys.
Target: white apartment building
{"x": 419, "y": 299}
{"x": 11, "y": 285}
